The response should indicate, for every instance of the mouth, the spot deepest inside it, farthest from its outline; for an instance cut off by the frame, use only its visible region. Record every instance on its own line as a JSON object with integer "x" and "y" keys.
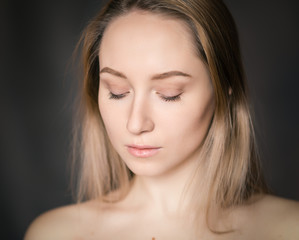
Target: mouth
{"x": 142, "y": 151}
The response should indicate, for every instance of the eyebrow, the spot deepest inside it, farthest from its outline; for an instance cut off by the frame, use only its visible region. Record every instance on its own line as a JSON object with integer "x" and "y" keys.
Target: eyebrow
{"x": 159, "y": 76}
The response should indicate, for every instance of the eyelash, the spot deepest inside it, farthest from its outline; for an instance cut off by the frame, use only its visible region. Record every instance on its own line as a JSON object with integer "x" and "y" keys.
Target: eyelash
{"x": 116, "y": 96}
{"x": 164, "y": 98}
{"x": 171, "y": 98}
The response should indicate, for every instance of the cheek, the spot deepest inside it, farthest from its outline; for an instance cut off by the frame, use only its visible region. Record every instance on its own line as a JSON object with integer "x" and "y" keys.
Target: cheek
{"x": 190, "y": 124}
{"x": 110, "y": 118}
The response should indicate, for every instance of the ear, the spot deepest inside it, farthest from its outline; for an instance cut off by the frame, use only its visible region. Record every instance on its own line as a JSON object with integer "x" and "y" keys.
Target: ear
{"x": 230, "y": 91}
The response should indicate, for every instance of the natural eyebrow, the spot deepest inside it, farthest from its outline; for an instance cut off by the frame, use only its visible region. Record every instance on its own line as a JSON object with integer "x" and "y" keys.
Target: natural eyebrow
{"x": 113, "y": 72}
{"x": 170, "y": 74}
{"x": 155, "y": 77}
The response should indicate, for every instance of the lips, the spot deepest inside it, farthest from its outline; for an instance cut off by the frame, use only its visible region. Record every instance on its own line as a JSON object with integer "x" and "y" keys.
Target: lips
{"x": 142, "y": 151}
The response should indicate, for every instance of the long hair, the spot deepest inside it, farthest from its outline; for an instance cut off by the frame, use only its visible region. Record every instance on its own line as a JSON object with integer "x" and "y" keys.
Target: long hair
{"x": 229, "y": 155}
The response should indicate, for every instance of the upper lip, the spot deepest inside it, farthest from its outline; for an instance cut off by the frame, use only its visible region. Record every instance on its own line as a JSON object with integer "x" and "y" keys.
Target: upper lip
{"x": 142, "y": 146}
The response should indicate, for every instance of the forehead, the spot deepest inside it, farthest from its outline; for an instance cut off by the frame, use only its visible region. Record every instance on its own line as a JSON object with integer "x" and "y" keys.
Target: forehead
{"x": 146, "y": 38}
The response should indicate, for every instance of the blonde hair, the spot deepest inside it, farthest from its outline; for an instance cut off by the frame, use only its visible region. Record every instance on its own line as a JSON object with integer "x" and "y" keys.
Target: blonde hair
{"x": 229, "y": 153}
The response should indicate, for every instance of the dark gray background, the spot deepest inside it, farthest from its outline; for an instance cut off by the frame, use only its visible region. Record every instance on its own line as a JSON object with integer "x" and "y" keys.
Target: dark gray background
{"x": 37, "y": 93}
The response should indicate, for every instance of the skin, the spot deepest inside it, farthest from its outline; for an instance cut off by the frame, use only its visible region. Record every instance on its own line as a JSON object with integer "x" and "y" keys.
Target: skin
{"x": 135, "y": 51}
{"x": 149, "y": 113}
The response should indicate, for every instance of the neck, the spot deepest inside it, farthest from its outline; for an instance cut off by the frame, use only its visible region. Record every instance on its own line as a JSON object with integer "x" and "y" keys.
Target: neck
{"x": 166, "y": 194}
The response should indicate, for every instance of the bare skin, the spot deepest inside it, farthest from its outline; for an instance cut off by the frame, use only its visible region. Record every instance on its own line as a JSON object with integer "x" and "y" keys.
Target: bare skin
{"x": 269, "y": 218}
{"x": 140, "y": 106}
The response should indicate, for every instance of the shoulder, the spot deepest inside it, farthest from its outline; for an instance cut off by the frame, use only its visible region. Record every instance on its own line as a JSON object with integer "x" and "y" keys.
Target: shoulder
{"x": 66, "y": 222}
{"x": 284, "y": 214}
{"x": 53, "y": 224}
{"x": 274, "y": 217}
{"x": 281, "y": 208}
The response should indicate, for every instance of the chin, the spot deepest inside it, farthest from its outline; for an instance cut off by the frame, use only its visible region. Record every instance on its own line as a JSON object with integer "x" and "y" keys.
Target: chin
{"x": 146, "y": 167}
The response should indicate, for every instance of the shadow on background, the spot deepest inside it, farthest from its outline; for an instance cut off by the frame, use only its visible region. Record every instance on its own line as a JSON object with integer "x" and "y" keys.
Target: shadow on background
{"x": 37, "y": 94}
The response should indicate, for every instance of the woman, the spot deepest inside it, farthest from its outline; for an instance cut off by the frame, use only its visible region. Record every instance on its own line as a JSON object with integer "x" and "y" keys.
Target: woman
{"x": 166, "y": 143}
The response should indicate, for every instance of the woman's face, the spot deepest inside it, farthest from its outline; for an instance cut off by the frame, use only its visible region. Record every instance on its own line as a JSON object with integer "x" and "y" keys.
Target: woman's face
{"x": 155, "y": 96}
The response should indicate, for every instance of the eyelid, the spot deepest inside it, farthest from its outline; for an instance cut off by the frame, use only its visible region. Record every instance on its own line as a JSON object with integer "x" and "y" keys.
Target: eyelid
{"x": 172, "y": 98}
{"x": 112, "y": 85}
{"x": 117, "y": 96}
{"x": 165, "y": 98}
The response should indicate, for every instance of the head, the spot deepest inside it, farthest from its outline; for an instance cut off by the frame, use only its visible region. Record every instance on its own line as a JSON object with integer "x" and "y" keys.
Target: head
{"x": 218, "y": 115}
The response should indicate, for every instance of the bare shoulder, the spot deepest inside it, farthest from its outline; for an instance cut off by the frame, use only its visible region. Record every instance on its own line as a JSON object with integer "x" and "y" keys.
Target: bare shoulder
{"x": 274, "y": 217}
{"x": 66, "y": 222}
{"x": 284, "y": 210}
{"x": 53, "y": 224}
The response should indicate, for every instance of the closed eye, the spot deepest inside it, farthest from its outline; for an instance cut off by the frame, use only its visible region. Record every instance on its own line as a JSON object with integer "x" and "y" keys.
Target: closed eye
{"x": 116, "y": 96}
{"x": 171, "y": 98}
{"x": 164, "y": 98}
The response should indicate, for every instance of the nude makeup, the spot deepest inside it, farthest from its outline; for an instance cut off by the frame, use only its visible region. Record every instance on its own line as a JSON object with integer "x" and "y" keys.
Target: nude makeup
{"x": 142, "y": 151}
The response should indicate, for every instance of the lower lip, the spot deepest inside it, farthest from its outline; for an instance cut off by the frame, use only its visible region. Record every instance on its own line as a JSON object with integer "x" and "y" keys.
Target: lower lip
{"x": 143, "y": 152}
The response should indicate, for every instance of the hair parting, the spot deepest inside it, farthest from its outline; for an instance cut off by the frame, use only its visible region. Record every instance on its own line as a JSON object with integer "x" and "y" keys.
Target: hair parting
{"x": 228, "y": 153}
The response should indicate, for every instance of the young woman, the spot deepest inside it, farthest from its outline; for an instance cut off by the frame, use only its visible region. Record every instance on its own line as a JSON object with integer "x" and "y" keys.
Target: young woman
{"x": 167, "y": 146}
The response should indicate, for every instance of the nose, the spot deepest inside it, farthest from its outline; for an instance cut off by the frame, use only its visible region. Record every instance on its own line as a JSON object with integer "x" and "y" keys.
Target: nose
{"x": 140, "y": 120}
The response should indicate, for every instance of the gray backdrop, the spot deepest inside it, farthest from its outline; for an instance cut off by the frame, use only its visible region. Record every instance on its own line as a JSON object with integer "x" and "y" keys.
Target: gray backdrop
{"x": 37, "y": 89}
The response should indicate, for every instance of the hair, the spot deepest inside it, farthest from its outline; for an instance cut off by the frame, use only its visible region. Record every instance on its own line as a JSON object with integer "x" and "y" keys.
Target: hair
{"x": 229, "y": 155}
